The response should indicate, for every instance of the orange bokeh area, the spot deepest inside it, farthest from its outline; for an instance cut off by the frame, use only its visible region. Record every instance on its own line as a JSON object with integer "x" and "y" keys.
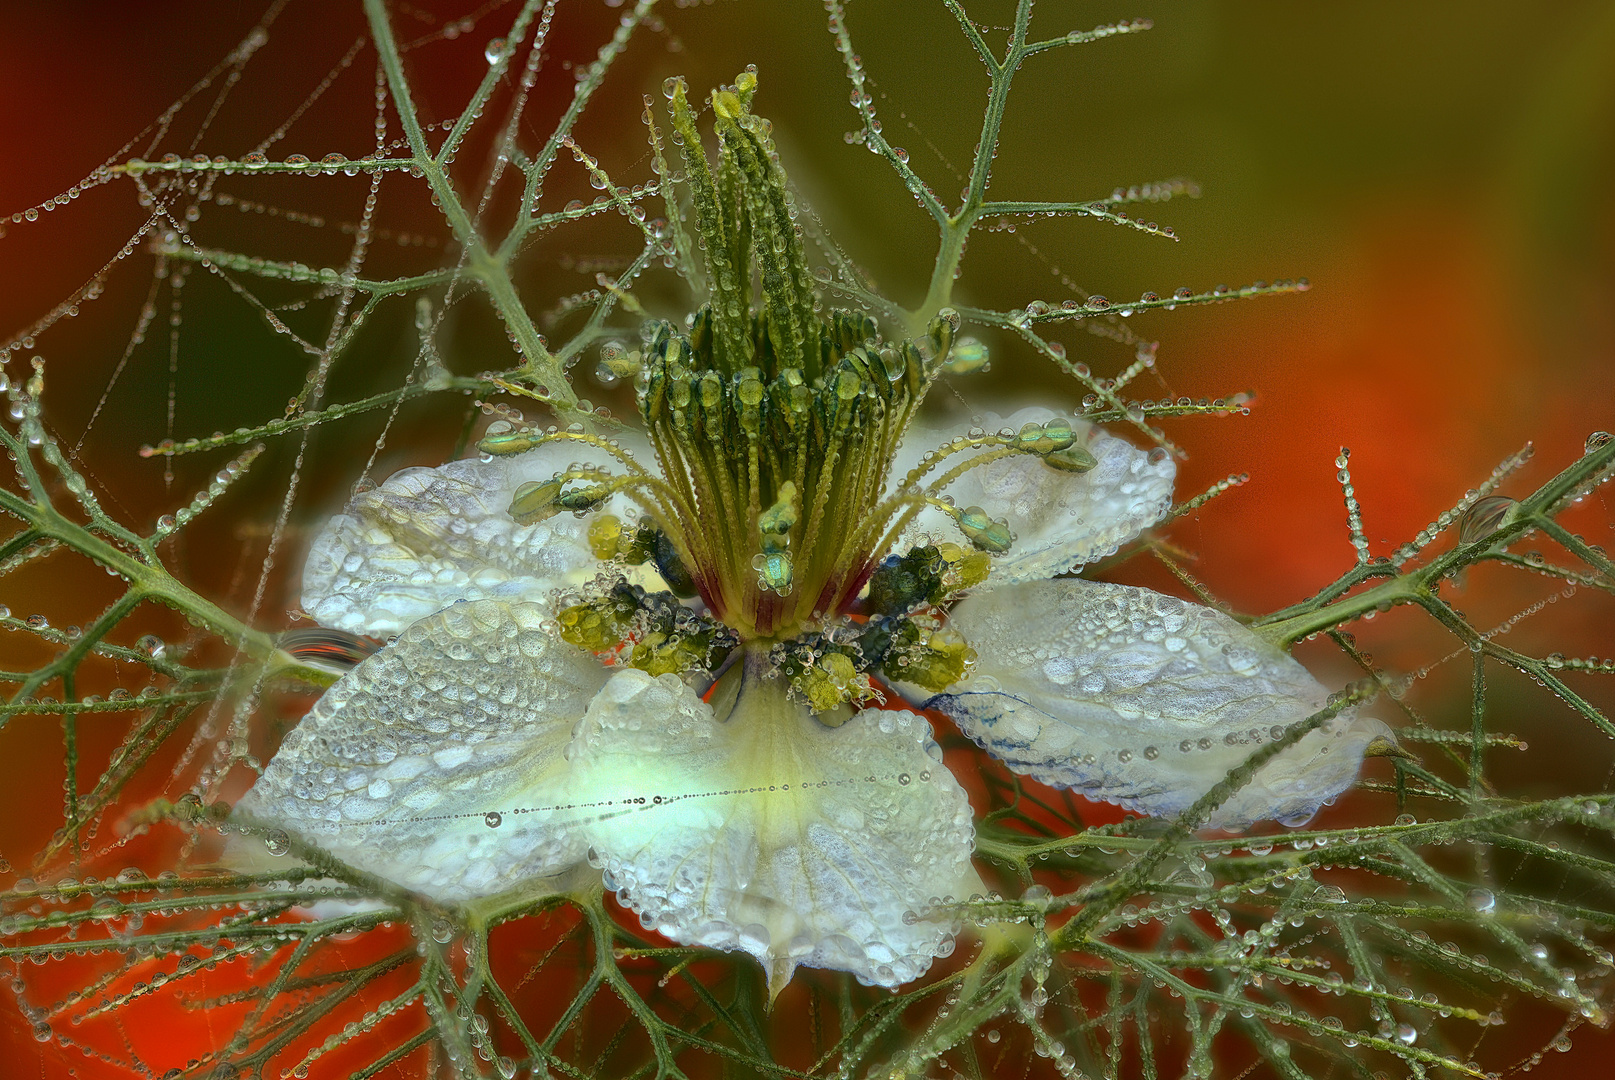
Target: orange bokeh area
{"x": 1446, "y": 204}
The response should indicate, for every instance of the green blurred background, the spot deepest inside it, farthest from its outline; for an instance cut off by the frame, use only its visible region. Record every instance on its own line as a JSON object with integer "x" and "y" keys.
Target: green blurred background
{"x": 1439, "y": 171}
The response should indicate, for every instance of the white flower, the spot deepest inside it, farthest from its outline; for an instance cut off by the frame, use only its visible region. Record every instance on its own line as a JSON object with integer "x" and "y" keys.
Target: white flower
{"x": 539, "y": 722}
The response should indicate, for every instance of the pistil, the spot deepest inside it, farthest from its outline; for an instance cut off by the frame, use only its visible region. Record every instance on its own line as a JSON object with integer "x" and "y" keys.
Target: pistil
{"x": 775, "y": 423}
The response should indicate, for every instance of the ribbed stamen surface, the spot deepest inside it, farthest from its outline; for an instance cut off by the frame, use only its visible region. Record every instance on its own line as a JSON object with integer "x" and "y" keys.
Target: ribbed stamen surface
{"x": 775, "y": 425}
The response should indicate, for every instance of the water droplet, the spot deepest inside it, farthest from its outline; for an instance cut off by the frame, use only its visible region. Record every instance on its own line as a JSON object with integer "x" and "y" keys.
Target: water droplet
{"x": 1329, "y": 894}
{"x": 1406, "y": 1035}
{"x": 1598, "y": 440}
{"x": 1483, "y": 519}
{"x": 277, "y": 842}
{"x": 494, "y": 50}
{"x": 1480, "y": 900}
{"x": 493, "y": 819}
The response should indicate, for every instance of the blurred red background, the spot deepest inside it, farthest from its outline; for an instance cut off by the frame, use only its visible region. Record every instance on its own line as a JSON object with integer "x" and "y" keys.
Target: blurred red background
{"x": 1439, "y": 173}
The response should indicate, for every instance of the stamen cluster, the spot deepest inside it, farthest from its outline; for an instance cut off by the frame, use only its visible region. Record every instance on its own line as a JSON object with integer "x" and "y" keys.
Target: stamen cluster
{"x": 775, "y": 424}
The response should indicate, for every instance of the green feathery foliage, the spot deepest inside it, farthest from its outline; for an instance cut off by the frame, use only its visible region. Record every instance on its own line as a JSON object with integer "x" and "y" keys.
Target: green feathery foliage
{"x": 1395, "y": 942}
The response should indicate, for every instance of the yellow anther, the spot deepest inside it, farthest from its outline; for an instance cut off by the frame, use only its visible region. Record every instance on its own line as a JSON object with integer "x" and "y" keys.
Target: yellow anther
{"x": 606, "y": 536}
{"x": 590, "y": 627}
{"x": 971, "y": 570}
{"x": 832, "y": 681}
{"x": 939, "y": 662}
{"x": 659, "y": 654}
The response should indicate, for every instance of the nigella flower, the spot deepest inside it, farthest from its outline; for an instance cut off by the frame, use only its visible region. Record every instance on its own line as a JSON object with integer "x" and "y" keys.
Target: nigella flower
{"x": 658, "y": 659}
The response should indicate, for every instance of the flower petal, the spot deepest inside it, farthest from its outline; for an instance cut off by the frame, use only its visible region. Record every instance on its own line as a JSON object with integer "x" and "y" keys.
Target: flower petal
{"x": 434, "y": 764}
{"x": 1061, "y": 519}
{"x": 429, "y": 537}
{"x": 1145, "y": 700}
{"x": 771, "y": 833}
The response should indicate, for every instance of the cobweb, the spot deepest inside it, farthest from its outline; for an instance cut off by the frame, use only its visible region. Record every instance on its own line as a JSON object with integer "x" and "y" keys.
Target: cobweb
{"x": 375, "y": 301}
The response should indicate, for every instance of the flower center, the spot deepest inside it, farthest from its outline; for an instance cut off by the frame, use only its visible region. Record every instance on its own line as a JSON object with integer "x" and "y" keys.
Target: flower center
{"x": 776, "y": 423}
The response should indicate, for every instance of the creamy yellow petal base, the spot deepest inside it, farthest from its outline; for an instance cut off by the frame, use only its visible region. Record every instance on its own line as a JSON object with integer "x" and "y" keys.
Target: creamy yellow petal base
{"x": 769, "y": 832}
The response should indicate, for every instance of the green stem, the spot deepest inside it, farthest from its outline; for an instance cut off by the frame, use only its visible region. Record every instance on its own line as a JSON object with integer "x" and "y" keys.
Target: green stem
{"x": 149, "y": 581}
{"x": 1285, "y": 632}
{"x": 1534, "y": 513}
{"x": 489, "y": 269}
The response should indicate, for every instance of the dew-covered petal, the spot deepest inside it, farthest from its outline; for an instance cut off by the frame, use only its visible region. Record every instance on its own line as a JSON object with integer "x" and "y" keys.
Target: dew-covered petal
{"x": 435, "y": 763}
{"x": 773, "y": 834}
{"x": 1136, "y": 698}
{"x": 426, "y": 538}
{"x": 1060, "y": 519}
